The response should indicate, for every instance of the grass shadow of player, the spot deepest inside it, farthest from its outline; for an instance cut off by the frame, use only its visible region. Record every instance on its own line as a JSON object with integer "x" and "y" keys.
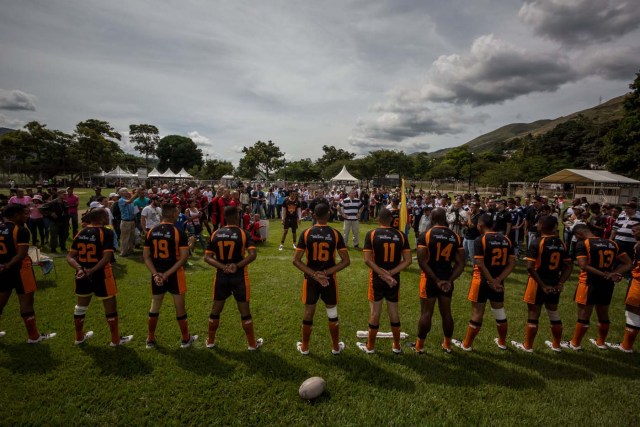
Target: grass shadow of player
{"x": 47, "y": 283}
{"x": 199, "y": 362}
{"x": 368, "y": 370}
{"x": 120, "y": 361}
{"x": 265, "y": 363}
{"x": 29, "y": 358}
{"x": 119, "y": 270}
{"x": 606, "y": 362}
{"x": 469, "y": 370}
{"x": 550, "y": 365}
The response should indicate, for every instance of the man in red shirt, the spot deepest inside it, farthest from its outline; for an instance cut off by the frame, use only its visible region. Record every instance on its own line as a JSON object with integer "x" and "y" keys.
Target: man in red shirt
{"x": 72, "y": 204}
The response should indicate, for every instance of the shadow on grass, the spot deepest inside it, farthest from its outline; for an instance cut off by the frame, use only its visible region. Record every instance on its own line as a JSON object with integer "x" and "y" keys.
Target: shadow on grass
{"x": 550, "y": 365}
{"x": 204, "y": 362}
{"x": 265, "y": 363}
{"x": 120, "y": 361}
{"x": 47, "y": 283}
{"x": 119, "y": 270}
{"x": 29, "y": 358}
{"x": 365, "y": 370}
{"x": 468, "y": 370}
{"x": 607, "y": 362}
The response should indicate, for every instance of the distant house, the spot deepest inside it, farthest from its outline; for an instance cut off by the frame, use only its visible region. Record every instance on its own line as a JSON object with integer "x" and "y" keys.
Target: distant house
{"x": 596, "y": 185}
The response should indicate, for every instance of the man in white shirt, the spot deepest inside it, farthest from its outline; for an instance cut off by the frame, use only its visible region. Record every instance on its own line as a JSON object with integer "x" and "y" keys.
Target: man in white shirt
{"x": 151, "y": 214}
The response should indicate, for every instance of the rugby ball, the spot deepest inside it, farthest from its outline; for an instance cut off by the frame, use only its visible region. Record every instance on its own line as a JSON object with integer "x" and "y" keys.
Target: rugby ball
{"x": 312, "y": 388}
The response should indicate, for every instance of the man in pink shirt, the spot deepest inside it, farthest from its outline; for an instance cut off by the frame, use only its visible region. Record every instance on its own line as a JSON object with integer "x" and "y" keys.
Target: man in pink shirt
{"x": 72, "y": 203}
{"x": 20, "y": 198}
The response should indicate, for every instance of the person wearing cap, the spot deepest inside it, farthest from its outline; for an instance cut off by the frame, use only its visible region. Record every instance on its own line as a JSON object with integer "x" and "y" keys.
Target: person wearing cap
{"x": 127, "y": 221}
{"x": 36, "y": 221}
{"x": 621, "y": 231}
{"x": 94, "y": 197}
{"x": 73, "y": 202}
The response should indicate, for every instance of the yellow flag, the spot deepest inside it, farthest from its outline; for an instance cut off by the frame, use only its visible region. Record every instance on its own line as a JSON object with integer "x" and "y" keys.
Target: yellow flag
{"x": 404, "y": 226}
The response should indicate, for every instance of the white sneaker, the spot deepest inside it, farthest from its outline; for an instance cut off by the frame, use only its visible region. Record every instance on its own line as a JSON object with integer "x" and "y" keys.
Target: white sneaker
{"x": 569, "y": 346}
{"x": 299, "y": 347}
{"x": 460, "y": 345}
{"x": 363, "y": 346}
{"x": 340, "y": 349}
{"x": 2, "y": 333}
{"x": 210, "y": 344}
{"x": 123, "y": 340}
{"x": 190, "y": 341}
{"x": 550, "y": 345}
{"x": 500, "y": 346}
{"x": 618, "y": 346}
{"x": 294, "y": 246}
{"x": 259, "y": 343}
{"x": 521, "y": 346}
{"x": 396, "y": 350}
{"x": 42, "y": 337}
{"x": 150, "y": 344}
{"x": 594, "y": 342}
{"x": 86, "y": 336}
{"x": 281, "y": 247}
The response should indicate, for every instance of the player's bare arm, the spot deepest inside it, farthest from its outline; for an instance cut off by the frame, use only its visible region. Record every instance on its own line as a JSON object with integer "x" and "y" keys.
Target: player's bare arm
{"x": 385, "y": 275}
{"x": 424, "y": 265}
{"x": 182, "y": 260}
{"x": 319, "y": 276}
{"x": 344, "y": 262}
{"x": 23, "y": 251}
{"x": 406, "y": 262}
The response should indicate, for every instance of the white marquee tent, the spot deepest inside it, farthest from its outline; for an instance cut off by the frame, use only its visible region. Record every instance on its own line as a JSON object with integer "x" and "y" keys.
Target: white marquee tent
{"x": 118, "y": 172}
{"x": 344, "y": 176}
{"x": 184, "y": 174}
{"x": 168, "y": 174}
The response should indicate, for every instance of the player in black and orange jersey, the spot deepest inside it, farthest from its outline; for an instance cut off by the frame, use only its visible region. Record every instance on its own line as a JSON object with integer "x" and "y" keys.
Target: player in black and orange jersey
{"x": 495, "y": 260}
{"x": 394, "y": 208}
{"x": 549, "y": 266}
{"x": 441, "y": 259}
{"x": 319, "y": 245}
{"x": 602, "y": 264}
{"x": 16, "y": 271}
{"x": 291, "y": 215}
{"x": 90, "y": 255}
{"x": 166, "y": 250}
{"x": 632, "y": 301}
{"x": 387, "y": 253}
{"x": 227, "y": 252}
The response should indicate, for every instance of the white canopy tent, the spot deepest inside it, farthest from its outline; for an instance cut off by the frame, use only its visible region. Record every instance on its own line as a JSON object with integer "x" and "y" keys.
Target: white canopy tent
{"x": 183, "y": 174}
{"x": 118, "y": 172}
{"x": 344, "y": 176}
{"x": 596, "y": 185}
{"x": 168, "y": 174}
{"x": 154, "y": 174}
{"x": 100, "y": 174}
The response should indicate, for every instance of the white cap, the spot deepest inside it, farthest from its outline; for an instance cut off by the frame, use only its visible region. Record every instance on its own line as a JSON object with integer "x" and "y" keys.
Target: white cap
{"x": 95, "y": 204}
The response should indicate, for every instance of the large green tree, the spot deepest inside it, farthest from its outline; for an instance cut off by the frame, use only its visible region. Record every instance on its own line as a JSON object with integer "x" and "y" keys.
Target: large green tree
{"x": 303, "y": 170}
{"x": 212, "y": 169}
{"x": 264, "y": 157}
{"x": 177, "y": 152}
{"x": 95, "y": 145}
{"x": 145, "y": 140}
{"x": 332, "y": 155}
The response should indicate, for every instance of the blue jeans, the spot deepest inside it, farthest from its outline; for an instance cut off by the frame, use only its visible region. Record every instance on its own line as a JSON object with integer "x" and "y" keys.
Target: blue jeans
{"x": 469, "y": 250}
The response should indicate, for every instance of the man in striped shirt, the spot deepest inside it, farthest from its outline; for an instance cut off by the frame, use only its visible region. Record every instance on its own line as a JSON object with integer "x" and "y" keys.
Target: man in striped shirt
{"x": 350, "y": 209}
{"x": 621, "y": 230}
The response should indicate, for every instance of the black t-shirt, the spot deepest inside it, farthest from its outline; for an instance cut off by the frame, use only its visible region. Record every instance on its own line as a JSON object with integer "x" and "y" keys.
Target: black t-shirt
{"x": 164, "y": 241}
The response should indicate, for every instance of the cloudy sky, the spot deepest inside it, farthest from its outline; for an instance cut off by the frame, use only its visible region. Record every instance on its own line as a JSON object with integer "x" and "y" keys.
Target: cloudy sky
{"x": 414, "y": 75}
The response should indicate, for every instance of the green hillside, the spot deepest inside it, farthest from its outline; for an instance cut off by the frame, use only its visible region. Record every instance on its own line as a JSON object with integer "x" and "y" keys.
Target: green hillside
{"x": 603, "y": 113}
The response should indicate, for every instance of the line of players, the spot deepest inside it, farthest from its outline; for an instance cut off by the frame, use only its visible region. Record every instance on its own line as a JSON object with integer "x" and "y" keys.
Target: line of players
{"x": 386, "y": 251}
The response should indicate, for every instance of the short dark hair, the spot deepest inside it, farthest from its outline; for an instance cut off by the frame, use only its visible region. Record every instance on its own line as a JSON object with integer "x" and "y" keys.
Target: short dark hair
{"x": 548, "y": 223}
{"x": 168, "y": 209}
{"x": 486, "y": 220}
{"x": 580, "y": 228}
{"x": 231, "y": 213}
{"x": 321, "y": 210}
{"x": 384, "y": 216}
{"x": 439, "y": 216}
{"x": 95, "y": 214}
{"x": 13, "y": 210}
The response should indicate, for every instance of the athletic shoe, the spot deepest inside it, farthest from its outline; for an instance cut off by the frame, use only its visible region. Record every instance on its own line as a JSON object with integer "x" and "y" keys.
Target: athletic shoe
{"x": 42, "y": 337}
{"x": 412, "y": 346}
{"x": 459, "y": 344}
{"x": 299, "y": 347}
{"x": 85, "y": 337}
{"x": 294, "y": 246}
{"x": 521, "y": 346}
{"x": 363, "y": 346}
{"x": 594, "y": 342}
{"x": 151, "y": 344}
{"x": 396, "y": 350}
{"x": 340, "y": 349}
{"x": 187, "y": 343}
{"x": 281, "y": 247}
{"x": 618, "y": 346}
{"x": 500, "y": 346}
{"x": 2, "y": 333}
{"x": 123, "y": 340}
{"x": 445, "y": 349}
{"x": 210, "y": 344}
{"x": 259, "y": 343}
{"x": 568, "y": 345}
{"x": 550, "y": 345}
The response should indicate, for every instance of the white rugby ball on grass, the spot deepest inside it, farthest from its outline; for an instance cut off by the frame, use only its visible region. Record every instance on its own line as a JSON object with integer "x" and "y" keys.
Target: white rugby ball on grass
{"x": 312, "y": 388}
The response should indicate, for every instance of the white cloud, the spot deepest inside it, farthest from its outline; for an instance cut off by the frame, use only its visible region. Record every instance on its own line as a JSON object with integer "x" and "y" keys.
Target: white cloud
{"x": 17, "y": 100}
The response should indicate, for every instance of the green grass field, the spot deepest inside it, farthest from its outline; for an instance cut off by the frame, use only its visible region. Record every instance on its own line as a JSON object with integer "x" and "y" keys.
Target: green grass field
{"x": 56, "y": 382}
